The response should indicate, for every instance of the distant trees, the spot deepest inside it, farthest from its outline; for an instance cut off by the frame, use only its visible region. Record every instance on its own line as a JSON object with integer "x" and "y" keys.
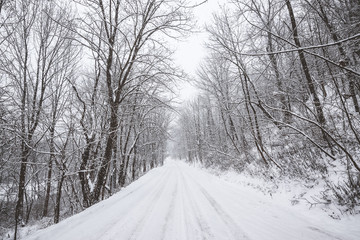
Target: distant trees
{"x": 282, "y": 88}
{"x": 82, "y": 98}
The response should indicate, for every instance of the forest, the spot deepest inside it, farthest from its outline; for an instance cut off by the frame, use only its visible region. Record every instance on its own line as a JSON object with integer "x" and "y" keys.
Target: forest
{"x": 86, "y": 98}
{"x": 83, "y": 103}
{"x": 280, "y": 95}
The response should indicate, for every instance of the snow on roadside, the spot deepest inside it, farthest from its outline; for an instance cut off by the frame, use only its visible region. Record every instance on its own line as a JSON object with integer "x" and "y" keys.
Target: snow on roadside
{"x": 35, "y": 226}
{"x": 304, "y": 198}
{"x": 293, "y": 196}
{"x": 261, "y": 208}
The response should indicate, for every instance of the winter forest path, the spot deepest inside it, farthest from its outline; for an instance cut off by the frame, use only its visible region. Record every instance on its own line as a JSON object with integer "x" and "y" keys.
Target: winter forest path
{"x": 177, "y": 201}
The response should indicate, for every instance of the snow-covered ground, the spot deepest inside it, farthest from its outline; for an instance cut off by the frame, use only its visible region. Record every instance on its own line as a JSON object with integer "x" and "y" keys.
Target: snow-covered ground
{"x": 178, "y": 201}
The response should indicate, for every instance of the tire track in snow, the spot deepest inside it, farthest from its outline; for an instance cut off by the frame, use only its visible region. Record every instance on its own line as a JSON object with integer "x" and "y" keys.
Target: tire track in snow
{"x": 121, "y": 221}
{"x": 229, "y": 222}
{"x": 235, "y": 230}
{"x": 183, "y": 214}
{"x": 325, "y": 233}
{"x": 206, "y": 233}
{"x": 228, "y": 219}
{"x": 152, "y": 203}
{"x": 106, "y": 205}
{"x": 178, "y": 202}
{"x": 170, "y": 212}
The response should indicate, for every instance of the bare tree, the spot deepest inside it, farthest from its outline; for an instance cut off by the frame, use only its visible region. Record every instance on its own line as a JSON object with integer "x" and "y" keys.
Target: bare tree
{"x": 36, "y": 52}
{"x": 288, "y": 91}
{"x": 128, "y": 38}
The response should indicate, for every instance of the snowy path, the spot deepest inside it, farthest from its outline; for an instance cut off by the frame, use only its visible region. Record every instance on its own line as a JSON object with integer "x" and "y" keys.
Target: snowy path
{"x": 180, "y": 202}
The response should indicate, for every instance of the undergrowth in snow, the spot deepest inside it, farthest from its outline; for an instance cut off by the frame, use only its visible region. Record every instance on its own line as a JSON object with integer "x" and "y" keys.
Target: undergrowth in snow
{"x": 178, "y": 200}
{"x": 314, "y": 193}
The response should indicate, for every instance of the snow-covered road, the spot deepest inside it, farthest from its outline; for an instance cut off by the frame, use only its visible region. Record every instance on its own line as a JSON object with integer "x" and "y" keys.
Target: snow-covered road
{"x": 177, "y": 201}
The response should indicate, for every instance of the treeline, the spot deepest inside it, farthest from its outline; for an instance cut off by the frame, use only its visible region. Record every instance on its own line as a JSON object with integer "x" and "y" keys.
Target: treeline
{"x": 280, "y": 94}
{"x": 82, "y": 104}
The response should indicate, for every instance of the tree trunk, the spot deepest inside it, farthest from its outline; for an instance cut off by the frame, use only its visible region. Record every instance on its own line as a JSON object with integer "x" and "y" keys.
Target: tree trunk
{"x": 58, "y": 198}
{"x": 274, "y": 64}
{"x": 24, "y": 146}
{"x": 107, "y": 156}
{"x": 48, "y": 187}
{"x": 310, "y": 83}
{"x": 19, "y": 209}
{"x": 49, "y": 173}
{"x": 345, "y": 60}
{"x": 83, "y": 175}
{"x": 133, "y": 170}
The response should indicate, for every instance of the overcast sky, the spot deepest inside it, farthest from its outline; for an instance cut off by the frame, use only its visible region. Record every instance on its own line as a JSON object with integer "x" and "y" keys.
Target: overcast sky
{"x": 191, "y": 51}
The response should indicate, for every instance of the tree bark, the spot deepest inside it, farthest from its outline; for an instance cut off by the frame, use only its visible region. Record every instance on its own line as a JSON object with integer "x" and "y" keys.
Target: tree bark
{"x": 49, "y": 171}
{"x": 345, "y": 60}
{"x": 310, "y": 83}
{"x": 107, "y": 155}
{"x": 133, "y": 170}
{"x": 58, "y": 198}
{"x": 83, "y": 174}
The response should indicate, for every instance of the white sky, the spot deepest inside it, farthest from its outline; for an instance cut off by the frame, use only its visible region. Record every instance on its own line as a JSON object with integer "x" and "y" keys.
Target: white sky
{"x": 191, "y": 51}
